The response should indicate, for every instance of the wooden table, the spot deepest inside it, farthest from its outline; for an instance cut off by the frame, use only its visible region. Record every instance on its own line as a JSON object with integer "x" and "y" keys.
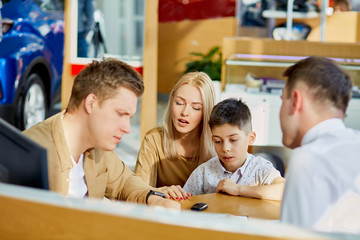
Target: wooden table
{"x": 236, "y": 205}
{"x": 27, "y": 213}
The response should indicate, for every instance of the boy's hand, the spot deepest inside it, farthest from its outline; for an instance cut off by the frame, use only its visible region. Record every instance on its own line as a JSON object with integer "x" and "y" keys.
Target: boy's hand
{"x": 154, "y": 200}
{"x": 175, "y": 192}
{"x": 228, "y": 186}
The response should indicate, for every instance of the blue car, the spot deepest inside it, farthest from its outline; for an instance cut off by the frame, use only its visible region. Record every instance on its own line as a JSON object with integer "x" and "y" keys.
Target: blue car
{"x": 31, "y": 59}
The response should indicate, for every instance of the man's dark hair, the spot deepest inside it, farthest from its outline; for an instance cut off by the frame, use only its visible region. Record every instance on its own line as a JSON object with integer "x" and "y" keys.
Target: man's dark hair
{"x": 103, "y": 78}
{"x": 327, "y": 81}
{"x": 231, "y": 111}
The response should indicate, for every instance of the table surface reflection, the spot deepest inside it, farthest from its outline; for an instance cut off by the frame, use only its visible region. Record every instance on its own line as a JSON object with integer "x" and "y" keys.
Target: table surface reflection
{"x": 236, "y": 205}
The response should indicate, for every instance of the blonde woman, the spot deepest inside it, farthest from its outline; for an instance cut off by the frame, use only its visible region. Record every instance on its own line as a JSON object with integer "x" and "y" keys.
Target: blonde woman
{"x": 170, "y": 153}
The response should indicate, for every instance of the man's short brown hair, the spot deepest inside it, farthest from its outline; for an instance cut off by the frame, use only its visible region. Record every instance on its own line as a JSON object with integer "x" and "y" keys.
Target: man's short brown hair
{"x": 327, "y": 81}
{"x": 103, "y": 78}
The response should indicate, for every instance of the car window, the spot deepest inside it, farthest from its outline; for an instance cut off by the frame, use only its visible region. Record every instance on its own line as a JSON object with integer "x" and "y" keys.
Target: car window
{"x": 50, "y": 5}
{"x": 5, "y": 1}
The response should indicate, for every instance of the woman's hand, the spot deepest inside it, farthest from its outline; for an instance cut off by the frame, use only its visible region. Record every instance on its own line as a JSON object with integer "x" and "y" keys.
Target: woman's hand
{"x": 175, "y": 192}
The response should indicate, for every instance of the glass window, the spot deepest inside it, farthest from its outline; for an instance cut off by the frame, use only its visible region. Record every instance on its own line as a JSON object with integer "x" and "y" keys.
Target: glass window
{"x": 122, "y": 42}
{"x": 139, "y": 38}
{"x": 122, "y": 8}
{"x": 51, "y": 5}
{"x": 139, "y": 7}
{"x": 124, "y": 27}
{"x": 121, "y": 26}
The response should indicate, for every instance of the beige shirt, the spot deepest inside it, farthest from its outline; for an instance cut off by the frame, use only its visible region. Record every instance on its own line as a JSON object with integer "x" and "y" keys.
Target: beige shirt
{"x": 157, "y": 170}
{"x": 105, "y": 174}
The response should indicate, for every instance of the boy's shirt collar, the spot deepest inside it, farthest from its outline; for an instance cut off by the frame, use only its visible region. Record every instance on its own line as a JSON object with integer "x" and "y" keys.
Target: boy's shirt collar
{"x": 240, "y": 170}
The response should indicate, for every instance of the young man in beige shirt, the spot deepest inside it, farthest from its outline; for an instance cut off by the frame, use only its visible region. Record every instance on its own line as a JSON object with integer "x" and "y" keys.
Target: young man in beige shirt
{"x": 80, "y": 141}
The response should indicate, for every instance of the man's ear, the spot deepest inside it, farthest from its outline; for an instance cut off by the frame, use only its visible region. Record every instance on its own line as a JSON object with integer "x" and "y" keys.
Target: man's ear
{"x": 297, "y": 101}
{"x": 252, "y": 137}
{"x": 89, "y": 103}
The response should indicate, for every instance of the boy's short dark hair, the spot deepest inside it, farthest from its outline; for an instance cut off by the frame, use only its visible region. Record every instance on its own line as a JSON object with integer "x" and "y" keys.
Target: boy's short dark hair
{"x": 103, "y": 78}
{"x": 231, "y": 111}
{"x": 325, "y": 79}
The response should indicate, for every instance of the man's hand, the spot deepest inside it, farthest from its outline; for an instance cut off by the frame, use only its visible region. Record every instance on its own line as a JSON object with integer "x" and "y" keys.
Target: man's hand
{"x": 228, "y": 186}
{"x": 154, "y": 200}
{"x": 175, "y": 192}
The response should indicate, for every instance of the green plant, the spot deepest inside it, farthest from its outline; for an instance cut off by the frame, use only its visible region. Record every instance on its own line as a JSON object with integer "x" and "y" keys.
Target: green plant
{"x": 210, "y": 63}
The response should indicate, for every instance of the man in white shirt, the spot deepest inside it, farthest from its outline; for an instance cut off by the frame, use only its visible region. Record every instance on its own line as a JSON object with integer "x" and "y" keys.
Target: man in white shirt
{"x": 322, "y": 190}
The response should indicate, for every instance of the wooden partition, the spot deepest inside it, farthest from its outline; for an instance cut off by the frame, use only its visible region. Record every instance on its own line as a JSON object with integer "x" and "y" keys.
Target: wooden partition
{"x": 178, "y": 39}
{"x": 32, "y": 214}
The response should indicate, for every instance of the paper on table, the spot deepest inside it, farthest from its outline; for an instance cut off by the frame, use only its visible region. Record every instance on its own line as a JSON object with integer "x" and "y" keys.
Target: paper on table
{"x": 220, "y": 215}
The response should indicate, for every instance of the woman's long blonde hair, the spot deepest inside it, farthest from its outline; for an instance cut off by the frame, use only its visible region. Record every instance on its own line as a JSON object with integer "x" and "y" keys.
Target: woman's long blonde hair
{"x": 205, "y": 150}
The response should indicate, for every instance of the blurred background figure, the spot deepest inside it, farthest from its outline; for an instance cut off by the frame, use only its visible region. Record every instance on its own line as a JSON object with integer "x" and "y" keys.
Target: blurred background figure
{"x": 96, "y": 37}
{"x": 85, "y": 24}
{"x": 342, "y": 5}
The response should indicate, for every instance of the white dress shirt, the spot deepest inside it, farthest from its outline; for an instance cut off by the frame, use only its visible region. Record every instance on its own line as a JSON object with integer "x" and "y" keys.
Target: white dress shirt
{"x": 77, "y": 183}
{"x": 322, "y": 190}
{"x": 255, "y": 171}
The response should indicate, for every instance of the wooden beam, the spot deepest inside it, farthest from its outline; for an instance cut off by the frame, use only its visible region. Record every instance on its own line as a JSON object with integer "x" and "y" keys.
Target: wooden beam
{"x": 67, "y": 77}
{"x": 150, "y": 59}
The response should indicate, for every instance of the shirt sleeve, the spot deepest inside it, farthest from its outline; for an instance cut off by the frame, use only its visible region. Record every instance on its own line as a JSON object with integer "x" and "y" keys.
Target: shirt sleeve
{"x": 146, "y": 164}
{"x": 267, "y": 173}
{"x": 195, "y": 183}
{"x": 122, "y": 184}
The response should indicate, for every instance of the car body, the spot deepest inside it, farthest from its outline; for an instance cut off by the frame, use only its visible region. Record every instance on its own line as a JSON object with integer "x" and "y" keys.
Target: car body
{"x": 31, "y": 59}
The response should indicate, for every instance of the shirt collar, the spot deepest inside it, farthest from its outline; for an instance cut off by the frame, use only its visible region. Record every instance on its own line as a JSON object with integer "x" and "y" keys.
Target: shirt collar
{"x": 239, "y": 170}
{"x": 80, "y": 160}
{"x": 322, "y": 128}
